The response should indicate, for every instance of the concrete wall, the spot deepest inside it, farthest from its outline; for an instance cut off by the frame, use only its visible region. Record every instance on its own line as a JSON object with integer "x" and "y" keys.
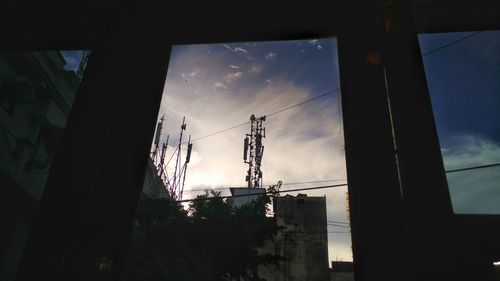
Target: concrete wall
{"x": 153, "y": 185}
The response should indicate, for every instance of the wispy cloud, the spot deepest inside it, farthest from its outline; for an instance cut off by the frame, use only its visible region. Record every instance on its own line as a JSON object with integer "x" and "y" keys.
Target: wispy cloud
{"x": 239, "y": 49}
{"x": 219, "y": 85}
{"x": 232, "y": 75}
{"x": 236, "y": 49}
{"x": 194, "y": 73}
{"x": 474, "y": 191}
{"x": 304, "y": 143}
{"x": 270, "y": 55}
{"x": 315, "y": 42}
{"x": 233, "y": 66}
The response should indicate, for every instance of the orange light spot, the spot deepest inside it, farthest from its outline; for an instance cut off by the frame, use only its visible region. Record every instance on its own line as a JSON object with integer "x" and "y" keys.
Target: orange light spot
{"x": 373, "y": 58}
{"x": 387, "y": 25}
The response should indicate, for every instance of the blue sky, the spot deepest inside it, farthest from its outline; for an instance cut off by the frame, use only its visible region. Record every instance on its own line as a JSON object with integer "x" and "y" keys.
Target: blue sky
{"x": 218, "y": 86}
{"x": 72, "y": 58}
{"x": 464, "y": 85}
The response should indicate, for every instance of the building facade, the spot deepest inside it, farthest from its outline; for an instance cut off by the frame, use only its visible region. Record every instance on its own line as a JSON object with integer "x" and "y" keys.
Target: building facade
{"x": 36, "y": 95}
{"x": 303, "y": 242}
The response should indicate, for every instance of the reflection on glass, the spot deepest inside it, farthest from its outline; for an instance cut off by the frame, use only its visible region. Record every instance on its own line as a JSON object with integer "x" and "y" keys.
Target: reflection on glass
{"x": 462, "y": 71}
{"x": 243, "y": 119}
{"x": 37, "y": 90}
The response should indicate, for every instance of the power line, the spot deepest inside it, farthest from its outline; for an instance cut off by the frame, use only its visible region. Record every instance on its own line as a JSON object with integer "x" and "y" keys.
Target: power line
{"x": 290, "y": 183}
{"x": 473, "y": 168}
{"x": 450, "y": 44}
{"x": 264, "y": 193}
{"x": 333, "y": 91}
{"x": 221, "y": 131}
{"x": 319, "y": 181}
{"x": 269, "y": 114}
{"x": 301, "y": 103}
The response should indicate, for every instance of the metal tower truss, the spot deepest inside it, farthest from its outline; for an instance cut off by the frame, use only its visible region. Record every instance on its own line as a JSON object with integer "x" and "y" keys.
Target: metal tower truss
{"x": 253, "y": 151}
{"x": 174, "y": 184}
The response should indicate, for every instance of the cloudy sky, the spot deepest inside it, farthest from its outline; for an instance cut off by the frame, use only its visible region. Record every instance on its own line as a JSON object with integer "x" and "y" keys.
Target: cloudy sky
{"x": 464, "y": 84}
{"x": 219, "y": 86}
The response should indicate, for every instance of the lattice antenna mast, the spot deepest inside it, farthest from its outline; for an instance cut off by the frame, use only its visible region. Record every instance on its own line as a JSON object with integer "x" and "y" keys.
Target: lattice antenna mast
{"x": 161, "y": 165}
{"x": 177, "y": 170}
{"x": 253, "y": 151}
{"x": 188, "y": 158}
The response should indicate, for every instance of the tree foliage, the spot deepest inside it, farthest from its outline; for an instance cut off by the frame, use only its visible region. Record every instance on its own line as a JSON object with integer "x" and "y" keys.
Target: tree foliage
{"x": 211, "y": 241}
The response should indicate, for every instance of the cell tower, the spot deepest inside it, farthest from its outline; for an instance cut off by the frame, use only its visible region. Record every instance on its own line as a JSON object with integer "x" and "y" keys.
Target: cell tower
{"x": 174, "y": 184}
{"x": 253, "y": 150}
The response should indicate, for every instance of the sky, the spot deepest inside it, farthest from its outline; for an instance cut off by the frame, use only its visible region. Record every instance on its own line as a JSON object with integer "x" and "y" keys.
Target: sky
{"x": 464, "y": 85}
{"x": 218, "y": 86}
{"x": 72, "y": 58}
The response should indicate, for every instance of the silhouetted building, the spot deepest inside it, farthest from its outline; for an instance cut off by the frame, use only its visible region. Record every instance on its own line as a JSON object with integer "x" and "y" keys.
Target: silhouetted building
{"x": 303, "y": 242}
{"x": 36, "y": 95}
{"x": 342, "y": 271}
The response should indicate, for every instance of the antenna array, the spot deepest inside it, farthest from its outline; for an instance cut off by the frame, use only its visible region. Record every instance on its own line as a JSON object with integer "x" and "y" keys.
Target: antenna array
{"x": 253, "y": 151}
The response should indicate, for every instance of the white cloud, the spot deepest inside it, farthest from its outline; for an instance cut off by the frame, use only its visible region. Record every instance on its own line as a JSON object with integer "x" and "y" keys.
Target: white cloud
{"x": 315, "y": 42}
{"x": 232, "y": 75}
{"x": 270, "y": 55}
{"x": 237, "y": 49}
{"x": 234, "y": 66}
{"x": 219, "y": 85}
{"x": 301, "y": 144}
{"x": 194, "y": 73}
{"x": 474, "y": 191}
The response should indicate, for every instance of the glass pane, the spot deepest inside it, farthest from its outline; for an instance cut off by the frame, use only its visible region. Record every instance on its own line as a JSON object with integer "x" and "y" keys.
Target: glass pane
{"x": 462, "y": 70}
{"x": 273, "y": 103}
{"x": 37, "y": 90}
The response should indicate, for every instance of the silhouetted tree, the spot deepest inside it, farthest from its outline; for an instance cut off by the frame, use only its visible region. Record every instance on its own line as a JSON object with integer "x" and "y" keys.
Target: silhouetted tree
{"x": 211, "y": 241}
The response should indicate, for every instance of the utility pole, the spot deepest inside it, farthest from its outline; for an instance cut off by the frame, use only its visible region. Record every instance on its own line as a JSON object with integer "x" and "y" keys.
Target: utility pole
{"x": 253, "y": 150}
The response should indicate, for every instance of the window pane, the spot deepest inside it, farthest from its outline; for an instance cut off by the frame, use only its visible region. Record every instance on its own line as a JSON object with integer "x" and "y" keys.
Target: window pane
{"x": 237, "y": 99}
{"x": 37, "y": 90}
{"x": 463, "y": 70}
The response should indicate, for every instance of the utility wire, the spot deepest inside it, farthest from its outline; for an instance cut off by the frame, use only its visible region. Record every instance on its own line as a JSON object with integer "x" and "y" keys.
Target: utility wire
{"x": 291, "y": 183}
{"x": 301, "y": 103}
{"x": 263, "y": 193}
{"x": 333, "y": 91}
{"x": 473, "y": 168}
{"x": 221, "y": 131}
{"x": 450, "y": 44}
{"x": 269, "y": 114}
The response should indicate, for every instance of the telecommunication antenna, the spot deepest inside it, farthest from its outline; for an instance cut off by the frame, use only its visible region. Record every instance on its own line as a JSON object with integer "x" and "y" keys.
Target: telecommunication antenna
{"x": 253, "y": 151}
{"x": 178, "y": 170}
{"x": 156, "y": 142}
{"x": 173, "y": 185}
{"x": 188, "y": 158}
